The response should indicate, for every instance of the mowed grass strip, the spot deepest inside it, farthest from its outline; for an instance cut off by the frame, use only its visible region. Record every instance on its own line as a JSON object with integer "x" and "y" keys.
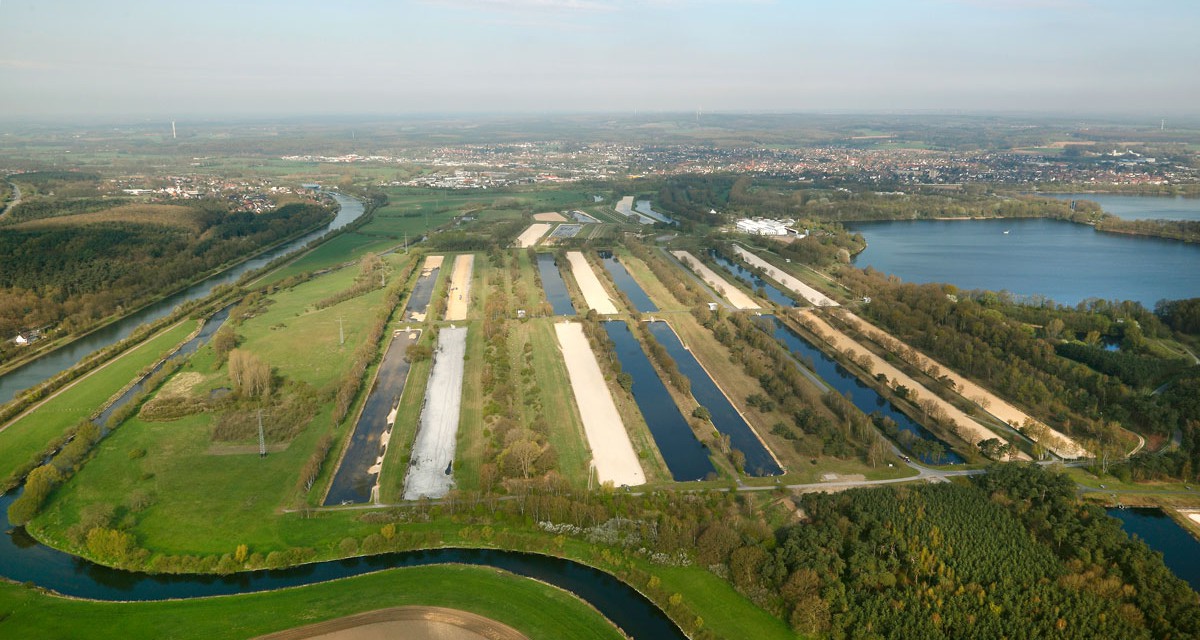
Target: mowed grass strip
{"x": 29, "y": 434}
{"x": 540, "y": 611}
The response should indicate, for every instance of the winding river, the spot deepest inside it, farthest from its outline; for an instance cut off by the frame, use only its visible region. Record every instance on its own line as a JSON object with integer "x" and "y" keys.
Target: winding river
{"x": 51, "y": 364}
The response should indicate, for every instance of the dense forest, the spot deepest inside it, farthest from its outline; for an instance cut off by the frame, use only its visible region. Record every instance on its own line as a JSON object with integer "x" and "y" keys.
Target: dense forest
{"x": 1013, "y": 555}
{"x": 1047, "y": 357}
{"x": 71, "y": 277}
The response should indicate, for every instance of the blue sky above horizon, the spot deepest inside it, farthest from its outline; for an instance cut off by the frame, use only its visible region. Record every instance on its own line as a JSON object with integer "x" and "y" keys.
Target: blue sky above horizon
{"x": 145, "y": 58}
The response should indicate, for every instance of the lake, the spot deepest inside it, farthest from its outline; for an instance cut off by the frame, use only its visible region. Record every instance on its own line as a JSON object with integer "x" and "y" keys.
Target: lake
{"x": 1061, "y": 260}
{"x": 1139, "y": 207}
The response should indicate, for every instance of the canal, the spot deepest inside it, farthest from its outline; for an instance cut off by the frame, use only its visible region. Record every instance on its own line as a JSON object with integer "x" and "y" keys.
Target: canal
{"x": 745, "y": 275}
{"x": 627, "y": 284}
{"x": 725, "y": 417}
{"x": 686, "y": 457}
{"x": 358, "y": 474}
{"x": 553, "y": 285}
{"x": 860, "y": 394}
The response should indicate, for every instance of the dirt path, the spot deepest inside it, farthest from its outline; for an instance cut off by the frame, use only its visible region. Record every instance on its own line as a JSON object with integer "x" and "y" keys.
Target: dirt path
{"x": 612, "y": 452}
{"x": 411, "y": 623}
{"x": 968, "y": 429}
{"x": 459, "y": 295}
{"x": 530, "y": 236}
{"x": 814, "y": 297}
{"x": 735, "y": 296}
{"x": 1061, "y": 444}
{"x": 593, "y": 292}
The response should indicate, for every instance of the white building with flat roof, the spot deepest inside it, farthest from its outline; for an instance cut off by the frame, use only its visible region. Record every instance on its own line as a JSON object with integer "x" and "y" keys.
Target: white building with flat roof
{"x": 762, "y": 227}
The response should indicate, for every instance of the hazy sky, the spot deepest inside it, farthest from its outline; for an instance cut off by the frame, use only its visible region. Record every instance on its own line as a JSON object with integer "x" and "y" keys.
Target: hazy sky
{"x": 171, "y": 59}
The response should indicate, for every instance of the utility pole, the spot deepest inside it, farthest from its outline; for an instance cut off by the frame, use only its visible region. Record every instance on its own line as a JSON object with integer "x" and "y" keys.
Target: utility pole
{"x": 262, "y": 438}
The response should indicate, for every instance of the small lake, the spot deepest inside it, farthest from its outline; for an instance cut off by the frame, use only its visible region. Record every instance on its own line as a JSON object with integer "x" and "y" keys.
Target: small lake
{"x": 686, "y": 457}
{"x": 1138, "y": 207}
{"x": 745, "y": 275}
{"x": 627, "y": 284}
{"x": 49, "y": 365}
{"x": 862, "y": 396}
{"x": 1181, "y": 551}
{"x": 725, "y": 418}
{"x": 1063, "y": 261}
{"x": 555, "y": 288}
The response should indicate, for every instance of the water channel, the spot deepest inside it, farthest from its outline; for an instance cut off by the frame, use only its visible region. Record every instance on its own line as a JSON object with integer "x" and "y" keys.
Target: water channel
{"x": 724, "y": 416}
{"x": 627, "y": 284}
{"x": 358, "y": 473}
{"x": 51, "y": 364}
{"x": 745, "y": 275}
{"x": 643, "y": 207}
{"x": 686, "y": 457}
{"x": 1181, "y": 551}
{"x": 860, "y": 394}
{"x": 1063, "y": 261}
{"x": 555, "y": 288}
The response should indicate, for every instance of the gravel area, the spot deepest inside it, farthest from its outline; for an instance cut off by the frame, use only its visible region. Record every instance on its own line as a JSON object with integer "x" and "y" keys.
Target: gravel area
{"x": 459, "y": 295}
{"x": 966, "y": 427}
{"x": 734, "y": 295}
{"x": 593, "y": 292}
{"x": 430, "y": 473}
{"x": 530, "y": 236}
{"x": 814, "y": 297}
{"x": 411, "y": 623}
{"x": 612, "y": 452}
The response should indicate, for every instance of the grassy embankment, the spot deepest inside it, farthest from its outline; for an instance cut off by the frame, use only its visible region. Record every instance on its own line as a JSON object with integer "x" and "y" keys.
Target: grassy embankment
{"x": 536, "y": 609}
{"x": 28, "y": 434}
{"x": 205, "y": 491}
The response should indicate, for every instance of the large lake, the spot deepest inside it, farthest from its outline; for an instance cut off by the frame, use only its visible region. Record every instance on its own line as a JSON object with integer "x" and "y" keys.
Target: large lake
{"x": 1139, "y": 207}
{"x": 1064, "y": 261}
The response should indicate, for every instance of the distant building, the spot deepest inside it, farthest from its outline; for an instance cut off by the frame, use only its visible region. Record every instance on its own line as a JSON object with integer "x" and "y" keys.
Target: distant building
{"x": 763, "y": 226}
{"x": 25, "y": 338}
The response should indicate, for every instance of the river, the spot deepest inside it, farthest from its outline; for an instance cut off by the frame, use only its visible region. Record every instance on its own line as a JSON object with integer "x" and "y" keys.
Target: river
{"x": 1063, "y": 261}
{"x": 53, "y": 363}
{"x": 1139, "y": 207}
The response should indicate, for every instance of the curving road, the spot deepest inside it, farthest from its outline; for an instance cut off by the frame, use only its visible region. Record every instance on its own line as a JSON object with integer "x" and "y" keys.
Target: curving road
{"x": 16, "y": 199}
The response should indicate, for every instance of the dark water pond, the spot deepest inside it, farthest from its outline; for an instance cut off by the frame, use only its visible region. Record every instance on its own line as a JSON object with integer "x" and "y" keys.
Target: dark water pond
{"x": 725, "y": 417}
{"x": 627, "y": 284}
{"x": 555, "y": 288}
{"x": 686, "y": 457}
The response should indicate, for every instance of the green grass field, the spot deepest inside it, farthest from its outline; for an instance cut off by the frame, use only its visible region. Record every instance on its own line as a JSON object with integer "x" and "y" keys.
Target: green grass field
{"x": 29, "y": 434}
{"x": 536, "y": 609}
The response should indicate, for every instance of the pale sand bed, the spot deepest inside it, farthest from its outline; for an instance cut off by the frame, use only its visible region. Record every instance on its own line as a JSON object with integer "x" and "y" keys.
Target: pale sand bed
{"x": 459, "y": 295}
{"x": 530, "y": 236}
{"x": 734, "y": 295}
{"x": 412, "y": 622}
{"x": 612, "y": 453}
{"x": 433, "y": 450}
{"x": 625, "y": 206}
{"x": 431, "y": 263}
{"x": 593, "y": 292}
{"x": 814, "y": 297}
{"x": 549, "y": 216}
{"x": 1061, "y": 444}
{"x": 1194, "y": 517}
{"x": 967, "y": 428}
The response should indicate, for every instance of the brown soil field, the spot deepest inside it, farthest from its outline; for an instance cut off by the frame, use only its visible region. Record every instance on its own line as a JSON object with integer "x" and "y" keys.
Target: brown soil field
{"x": 411, "y": 623}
